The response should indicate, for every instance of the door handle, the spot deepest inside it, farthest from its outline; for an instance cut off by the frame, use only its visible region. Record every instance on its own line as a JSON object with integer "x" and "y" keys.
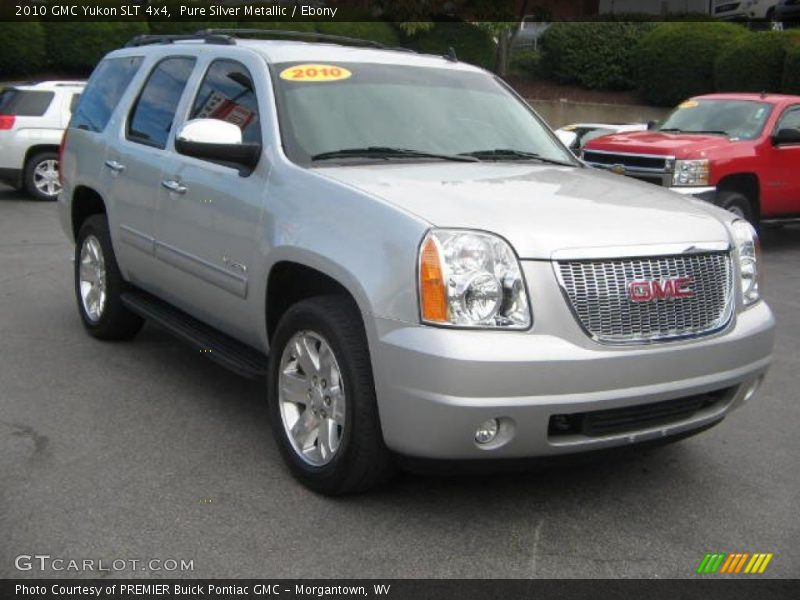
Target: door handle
{"x": 174, "y": 186}
{"x": 115, "y": 166}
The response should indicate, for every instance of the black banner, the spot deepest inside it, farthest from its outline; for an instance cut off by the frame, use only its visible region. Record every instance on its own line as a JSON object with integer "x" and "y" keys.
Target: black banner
{"x": 397, "y": 589}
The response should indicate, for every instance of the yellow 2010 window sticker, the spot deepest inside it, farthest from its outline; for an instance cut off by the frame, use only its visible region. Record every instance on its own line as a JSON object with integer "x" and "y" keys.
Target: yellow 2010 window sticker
{"x": 314, "y": 73}
{"x": 688, "y": 104}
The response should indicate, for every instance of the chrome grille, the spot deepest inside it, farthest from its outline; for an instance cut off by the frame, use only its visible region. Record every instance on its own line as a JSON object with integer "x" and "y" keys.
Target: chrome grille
{"x": 598, "y": 293}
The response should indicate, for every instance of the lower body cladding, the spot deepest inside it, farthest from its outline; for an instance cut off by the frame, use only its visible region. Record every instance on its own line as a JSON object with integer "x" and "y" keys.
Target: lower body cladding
{"x": 537, "y": 394}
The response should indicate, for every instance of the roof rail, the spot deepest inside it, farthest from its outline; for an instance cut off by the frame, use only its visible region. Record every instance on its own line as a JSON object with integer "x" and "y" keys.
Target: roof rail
{"x": 280, "y": 33}
{"x": 208, "y": 38}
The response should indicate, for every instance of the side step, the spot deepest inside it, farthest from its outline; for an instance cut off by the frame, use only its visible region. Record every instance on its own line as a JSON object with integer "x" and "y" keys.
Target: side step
{"x": 219, "y": 347}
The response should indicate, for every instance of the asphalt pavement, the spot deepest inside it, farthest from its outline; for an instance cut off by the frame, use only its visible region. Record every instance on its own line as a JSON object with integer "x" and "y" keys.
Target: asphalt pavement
{"x": 146, "y": 450}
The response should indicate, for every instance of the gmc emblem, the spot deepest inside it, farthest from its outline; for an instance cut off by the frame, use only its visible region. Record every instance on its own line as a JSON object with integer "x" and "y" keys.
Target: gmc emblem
{"x": 664, "y": 289}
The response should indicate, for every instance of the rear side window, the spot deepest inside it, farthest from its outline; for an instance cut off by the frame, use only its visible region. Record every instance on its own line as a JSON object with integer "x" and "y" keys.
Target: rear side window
{"x": 103, "y": 92}
{"x": 24, "y": 103}
{"x": 154, "y": 112}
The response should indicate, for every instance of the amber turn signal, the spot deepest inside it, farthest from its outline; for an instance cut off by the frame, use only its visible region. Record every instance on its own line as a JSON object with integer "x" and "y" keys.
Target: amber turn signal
{"x": 433, "y": 295}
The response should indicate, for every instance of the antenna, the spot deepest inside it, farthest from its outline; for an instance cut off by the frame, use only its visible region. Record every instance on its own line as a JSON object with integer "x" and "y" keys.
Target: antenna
{"x": 451, "y": 55}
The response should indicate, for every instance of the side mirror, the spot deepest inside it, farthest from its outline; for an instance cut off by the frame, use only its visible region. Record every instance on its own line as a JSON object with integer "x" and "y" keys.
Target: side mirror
{"x": 786, "y": 136}
{"x": 568, "y": 138}
{"x": 651, "y": 125}
{"x": 217, "y": 141}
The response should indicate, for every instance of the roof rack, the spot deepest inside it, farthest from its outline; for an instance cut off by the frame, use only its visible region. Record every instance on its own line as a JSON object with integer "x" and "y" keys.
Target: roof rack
{"x": 280, "y": 33}
{"x": 208, "y": 38}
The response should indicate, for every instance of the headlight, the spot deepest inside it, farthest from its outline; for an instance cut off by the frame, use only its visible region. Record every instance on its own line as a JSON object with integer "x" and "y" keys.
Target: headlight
{"x": 471, "y": 279}
{"x": 747, "y": 254}
{"x": 690, "y": 172}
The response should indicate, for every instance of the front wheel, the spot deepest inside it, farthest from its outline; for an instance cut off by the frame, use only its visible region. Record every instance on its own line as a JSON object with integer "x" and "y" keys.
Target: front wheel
{"x": 739, "y": 205}
{"x": 323, "y": 409}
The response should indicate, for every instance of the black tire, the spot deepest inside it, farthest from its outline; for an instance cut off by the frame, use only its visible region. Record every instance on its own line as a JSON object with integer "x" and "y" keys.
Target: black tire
{"x": 28, "y": 176}
{"x": 738, "y": 204}
{"x": 115, "y": 321}
{"x": 362, "y": 460}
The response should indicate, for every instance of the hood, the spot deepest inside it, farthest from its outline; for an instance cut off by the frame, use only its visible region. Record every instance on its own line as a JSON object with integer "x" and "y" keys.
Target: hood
{"x": 540, "y": 209}
{"x": 679, "y": 145}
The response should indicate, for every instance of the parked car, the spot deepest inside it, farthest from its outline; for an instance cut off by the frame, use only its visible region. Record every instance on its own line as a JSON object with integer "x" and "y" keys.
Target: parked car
{"x": 745, "y": 10}
{"x": 788, "y": 11}
{"x": 32, "y": 120}
{"x": 739, "y": 151}
{"x": 451, "y": 283}
{"x": 576, "y": 136}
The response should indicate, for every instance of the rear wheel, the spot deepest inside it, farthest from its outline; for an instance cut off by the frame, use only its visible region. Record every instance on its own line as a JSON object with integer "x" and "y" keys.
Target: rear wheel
{"x": 322, "y": 403}
{"x": 99, "y": 284}
{"x": 739, "y": 205}
{"x": 41, "y": 176}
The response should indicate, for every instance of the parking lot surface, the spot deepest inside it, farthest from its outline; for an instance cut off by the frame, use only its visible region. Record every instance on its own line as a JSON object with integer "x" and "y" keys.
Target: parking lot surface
{"x": 146, "y": 450}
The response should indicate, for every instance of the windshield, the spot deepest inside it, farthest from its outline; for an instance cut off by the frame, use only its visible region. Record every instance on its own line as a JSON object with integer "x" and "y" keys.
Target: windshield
{"x": 372, "y": 110}
{"x": 740, "y": 119}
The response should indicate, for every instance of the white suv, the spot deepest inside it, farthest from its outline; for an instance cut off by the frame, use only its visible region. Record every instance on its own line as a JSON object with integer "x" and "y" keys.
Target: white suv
{"x": 32, "y": 120}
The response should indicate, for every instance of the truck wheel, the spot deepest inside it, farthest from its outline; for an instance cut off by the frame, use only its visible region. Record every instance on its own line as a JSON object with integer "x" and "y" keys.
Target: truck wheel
{"x": 739, "y": 205}
{"x": 321, "y": 396}
{"x": 41, "y": 176}
{"x": 99, "y": 284}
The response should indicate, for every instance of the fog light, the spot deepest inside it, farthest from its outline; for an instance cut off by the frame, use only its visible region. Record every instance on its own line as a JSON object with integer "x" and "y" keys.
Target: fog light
{"x": 487, "y": 431}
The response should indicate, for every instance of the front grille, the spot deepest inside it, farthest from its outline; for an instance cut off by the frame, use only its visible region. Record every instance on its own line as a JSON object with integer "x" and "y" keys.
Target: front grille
{"x": 633, "y": 161}
{"x": 632, "y": 418}
{"x": 598, "y": 292}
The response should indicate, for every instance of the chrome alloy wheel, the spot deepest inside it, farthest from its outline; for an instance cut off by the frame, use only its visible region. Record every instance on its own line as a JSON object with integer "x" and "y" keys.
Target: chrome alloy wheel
{"x": 45, "y": 178}
{"x": 311, "y": 398}
{"x": 92, "y": 278}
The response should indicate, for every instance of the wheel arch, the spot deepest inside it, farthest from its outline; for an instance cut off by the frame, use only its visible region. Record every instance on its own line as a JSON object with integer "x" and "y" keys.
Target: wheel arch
{"x": 34, "y": 150}
{"x": 747, "y": 184}
{"x": 85, "y": 203}
{"x": 292, "y": 278}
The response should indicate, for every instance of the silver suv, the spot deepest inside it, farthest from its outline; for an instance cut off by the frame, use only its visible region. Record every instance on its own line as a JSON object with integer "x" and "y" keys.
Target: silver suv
{"x": 32, "y": 120}
{"x": 406, "y": 251}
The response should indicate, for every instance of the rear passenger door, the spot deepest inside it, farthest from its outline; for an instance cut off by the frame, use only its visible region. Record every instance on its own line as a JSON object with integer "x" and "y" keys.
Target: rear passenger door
{"x": 135, "y": 160}
{"x": 209, "y": 223}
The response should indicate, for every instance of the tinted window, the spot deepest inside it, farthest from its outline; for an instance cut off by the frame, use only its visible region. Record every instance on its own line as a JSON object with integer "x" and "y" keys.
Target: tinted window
{"x": 152, "y": 115}
{"x": 790, "y": 119}
{"x": 101, "y": 95}
{"x": 74, "y": 102}
{"x": 227, "y": 94}
{"x": 741, "y": 119}
{"x": 24, "y": 103}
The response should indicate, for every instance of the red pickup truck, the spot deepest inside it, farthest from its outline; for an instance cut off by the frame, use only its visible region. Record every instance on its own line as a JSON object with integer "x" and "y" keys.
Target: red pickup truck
{"x": 739, "y": 151}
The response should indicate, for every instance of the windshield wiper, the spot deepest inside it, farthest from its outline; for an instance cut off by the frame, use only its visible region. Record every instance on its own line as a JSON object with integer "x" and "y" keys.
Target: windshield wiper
{"x": 509, "y": 154}
{"x": 387, "y": 152}
{"x": 676, "y": 130}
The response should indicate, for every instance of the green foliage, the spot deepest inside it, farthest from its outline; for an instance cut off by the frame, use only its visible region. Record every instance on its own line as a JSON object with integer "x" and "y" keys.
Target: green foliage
{"x": 635, "y": 17}
{"x": 752, "y": 63}
{"x": 593, "y": 55}
{"x": 186, "y": 27}
{"x": 676, "y": 60}
{"x": 79, "y": 46}
{"x": 472, "y": 44}
{"x": 23, "y": 47}
{"x": 377, "y": 31}
{"x": 526, "y": 62}
{"x": 791, "y": 71}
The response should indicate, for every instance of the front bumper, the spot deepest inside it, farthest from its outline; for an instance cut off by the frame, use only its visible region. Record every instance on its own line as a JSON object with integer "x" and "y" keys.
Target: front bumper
{"x": 436, "y": 386}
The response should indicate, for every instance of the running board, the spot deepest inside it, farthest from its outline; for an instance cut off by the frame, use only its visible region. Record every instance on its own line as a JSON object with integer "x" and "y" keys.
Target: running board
{"x": 212, "y": 343}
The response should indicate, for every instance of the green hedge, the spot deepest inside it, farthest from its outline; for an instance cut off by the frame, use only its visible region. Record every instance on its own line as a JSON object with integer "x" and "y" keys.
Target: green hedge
{"x": 23, "y": 48}
{"x": 593, "y": 55}
{"x": 676, "y": 60}
{"x": 526, "y": 62}
{"x": 472, "y": 44}
{"x": 752, "y": 63}
{"x": 791, "y": 71}
{"x": 79, "y": 46}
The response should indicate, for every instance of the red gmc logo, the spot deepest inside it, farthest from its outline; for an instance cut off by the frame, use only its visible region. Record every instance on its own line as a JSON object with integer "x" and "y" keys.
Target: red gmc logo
{"x": 664, "y": 289}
